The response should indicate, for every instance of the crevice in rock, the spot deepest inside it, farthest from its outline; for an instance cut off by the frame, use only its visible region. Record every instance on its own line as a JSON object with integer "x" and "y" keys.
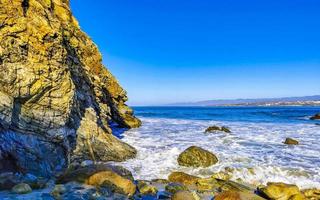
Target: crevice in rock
{"x": 81, "y": 81}
{"x": 51, "y": 6}
{"x": 1, "y": 61}
{"x": 16, "y": 111}
{"x": 25, "y": 6}
{"x": 2, "y": 26}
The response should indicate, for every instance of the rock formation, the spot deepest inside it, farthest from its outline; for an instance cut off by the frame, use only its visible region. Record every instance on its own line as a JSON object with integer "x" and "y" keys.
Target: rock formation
{"x": 196, "y": 157}
{"x": 56, "y": 97}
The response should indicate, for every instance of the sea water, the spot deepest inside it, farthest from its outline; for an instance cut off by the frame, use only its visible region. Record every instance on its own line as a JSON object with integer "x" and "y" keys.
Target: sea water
{"x": 254, "y": 149}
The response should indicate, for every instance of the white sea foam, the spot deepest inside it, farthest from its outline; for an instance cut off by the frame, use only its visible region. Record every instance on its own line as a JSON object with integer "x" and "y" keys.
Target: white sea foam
{"x": 250, "y": 145}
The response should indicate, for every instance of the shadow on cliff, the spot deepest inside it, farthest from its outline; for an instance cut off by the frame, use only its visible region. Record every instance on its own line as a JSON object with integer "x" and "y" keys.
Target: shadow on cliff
{"x": 117, "y": 130}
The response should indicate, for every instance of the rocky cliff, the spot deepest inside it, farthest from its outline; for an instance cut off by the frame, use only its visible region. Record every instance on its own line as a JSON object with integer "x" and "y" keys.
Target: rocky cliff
{"x": 56, "y": 98}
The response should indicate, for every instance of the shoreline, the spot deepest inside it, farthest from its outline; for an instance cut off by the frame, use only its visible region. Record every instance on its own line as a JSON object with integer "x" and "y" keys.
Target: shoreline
{"x": 78, "y": 183}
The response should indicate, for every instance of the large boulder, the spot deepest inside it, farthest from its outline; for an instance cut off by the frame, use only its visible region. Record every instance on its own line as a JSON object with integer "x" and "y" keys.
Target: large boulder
{"x": 197, "y": 157}
{"x": 112, "y": 180}
{"x": 56, "y": 97}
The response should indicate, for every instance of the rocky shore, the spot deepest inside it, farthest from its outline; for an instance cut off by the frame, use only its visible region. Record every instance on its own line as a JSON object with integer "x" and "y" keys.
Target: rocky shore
{"x": 102, "y": 181}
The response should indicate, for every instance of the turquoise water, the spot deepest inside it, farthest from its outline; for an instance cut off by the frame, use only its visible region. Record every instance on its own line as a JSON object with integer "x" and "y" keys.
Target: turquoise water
{"x": 256, "y": 142}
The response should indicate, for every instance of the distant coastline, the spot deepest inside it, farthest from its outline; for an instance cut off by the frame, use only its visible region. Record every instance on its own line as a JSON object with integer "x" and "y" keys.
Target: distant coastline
{"x": 285, "y": 101}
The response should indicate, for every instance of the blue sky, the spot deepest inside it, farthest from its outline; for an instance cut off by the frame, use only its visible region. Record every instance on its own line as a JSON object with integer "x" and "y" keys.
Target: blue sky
{"x": 166, "y": 51}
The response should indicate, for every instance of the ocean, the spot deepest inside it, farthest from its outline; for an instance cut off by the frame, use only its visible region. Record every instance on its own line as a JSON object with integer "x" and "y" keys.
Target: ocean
{"x": 254, "y": 149}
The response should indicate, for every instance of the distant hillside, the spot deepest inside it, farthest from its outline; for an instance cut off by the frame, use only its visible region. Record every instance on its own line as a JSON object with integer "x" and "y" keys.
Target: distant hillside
{"x": 306, "y": 100}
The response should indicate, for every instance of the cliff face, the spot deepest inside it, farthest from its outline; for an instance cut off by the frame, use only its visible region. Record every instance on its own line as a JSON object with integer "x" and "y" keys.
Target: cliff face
{"x": 56, "y": 97}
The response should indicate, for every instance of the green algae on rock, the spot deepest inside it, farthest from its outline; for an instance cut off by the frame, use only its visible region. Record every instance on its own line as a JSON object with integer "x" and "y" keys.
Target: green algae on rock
{"x": 56, "y": 97}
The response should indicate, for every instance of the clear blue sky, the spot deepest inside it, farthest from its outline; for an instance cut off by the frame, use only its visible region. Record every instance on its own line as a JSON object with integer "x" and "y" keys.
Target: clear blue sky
{"x": 165, "y": 51}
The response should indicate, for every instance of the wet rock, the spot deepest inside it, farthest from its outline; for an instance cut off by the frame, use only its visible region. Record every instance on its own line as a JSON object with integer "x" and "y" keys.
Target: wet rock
{"x": 160, "y": 181}
{"x": 183, "y": 178}
{"x": 183, "y": 195}
{"x": 86, "y": 163}
{"x": 207, "y": 185}
{"x": 213, "y": 129}
{"x": 229, "y": 195}
{"x": 21, "y": 188}
{"x": 47, "y": 196}
{"x": 236, "y": 186}
{"x": 312, "y": 194}
{"x": 148, "y": 189}
{"x": 77, "y": 191}
{"x": 8, "y": 180}
{"x": 315, "y": 117}
{"x": 56, "y": 97}
{"x": 58, "y": 190}
{"x": 164, "y": 195}
{"x": 81, "y": 174}
{"x": 234, "y": 195}
{"x": 197, "y": 157}
{"x": 279, "y": 191}
{"x": 222, "y": 175}
{"x": 298, "y": 197}
{"x": 290, "y": 141}
{"x": 175, "y": 187}
{"x": 145, "y": 187}
{"x": 115, "y": 182}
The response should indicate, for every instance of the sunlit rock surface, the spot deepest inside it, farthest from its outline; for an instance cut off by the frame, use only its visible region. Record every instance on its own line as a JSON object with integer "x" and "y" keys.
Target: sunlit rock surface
{"x": 56, "y": 97}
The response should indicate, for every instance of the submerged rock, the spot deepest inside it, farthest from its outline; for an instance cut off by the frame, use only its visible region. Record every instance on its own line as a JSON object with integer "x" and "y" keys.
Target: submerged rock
{"x": 213, "y": 129}
{"x": 56, "y": 97}
{"x": 197, "y": 157}
{"x": 21, "y": 188}
{"x": 315, "y": 117}
{"x": 279, "y": 191}
{"x": 291, "y": 141}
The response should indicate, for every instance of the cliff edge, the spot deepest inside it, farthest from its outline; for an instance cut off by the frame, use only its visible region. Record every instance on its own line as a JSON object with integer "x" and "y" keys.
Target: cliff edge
{"x": 56, "y": 97}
